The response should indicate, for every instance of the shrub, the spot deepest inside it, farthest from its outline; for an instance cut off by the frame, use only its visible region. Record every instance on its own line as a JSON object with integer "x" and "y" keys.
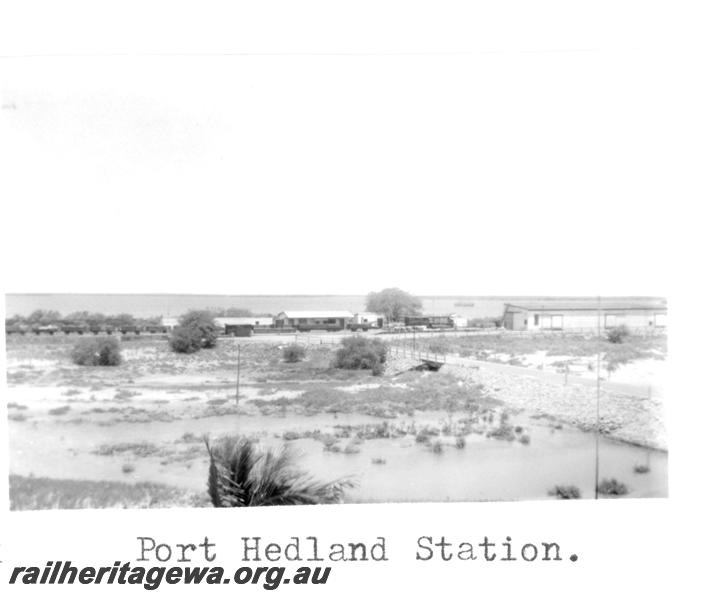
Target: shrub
{"x": 565, "y": 492}
{"x": 293, "y": 353}
{"x": 185, "y": 340}
{"x": 641, "y": 469}
{"x": 460, "y": 442}
{"x": 361, "y": 353}
{"x": 439, "y": 347}
{"x": 616, "y": 335}
{"x": 97, "y": 352}
{"x": 612, "y": 487}
{"x": 197, "y": 329}
{"x": 437, "y": 447}
{"x": 203, "y": 322}
{"x": 128, "y": 468}
{"x": 422, "y": 438}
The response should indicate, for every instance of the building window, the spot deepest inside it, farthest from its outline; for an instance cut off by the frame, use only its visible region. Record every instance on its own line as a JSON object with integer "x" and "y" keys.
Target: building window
{"x": 536, "y": 320}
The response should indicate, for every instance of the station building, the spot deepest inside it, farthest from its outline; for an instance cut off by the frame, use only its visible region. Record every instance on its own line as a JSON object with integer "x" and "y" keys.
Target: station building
{"x": 585, "y": 315}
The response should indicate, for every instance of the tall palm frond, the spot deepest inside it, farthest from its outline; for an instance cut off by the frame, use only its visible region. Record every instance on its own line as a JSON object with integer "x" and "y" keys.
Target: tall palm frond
{"x": 240, "y": 475}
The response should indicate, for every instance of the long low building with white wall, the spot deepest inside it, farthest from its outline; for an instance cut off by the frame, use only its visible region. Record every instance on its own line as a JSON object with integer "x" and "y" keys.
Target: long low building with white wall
{"x": 584, "y": 315}
{"x": 309, "y": 320}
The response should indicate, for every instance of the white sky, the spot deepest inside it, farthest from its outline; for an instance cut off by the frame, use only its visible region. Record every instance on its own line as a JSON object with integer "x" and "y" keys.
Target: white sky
{"x": 496, "y": 147}
{"x": 506, "y": 153}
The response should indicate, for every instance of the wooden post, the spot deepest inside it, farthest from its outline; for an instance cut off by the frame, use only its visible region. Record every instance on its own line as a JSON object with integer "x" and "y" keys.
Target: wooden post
{"x": 596, "y": 434}
{"x": 238, "y": 377}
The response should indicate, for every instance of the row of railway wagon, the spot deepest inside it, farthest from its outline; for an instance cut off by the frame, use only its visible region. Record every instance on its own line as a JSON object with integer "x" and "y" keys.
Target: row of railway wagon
{"x": 415, "y": 322}
{"x": 69, "y": 329}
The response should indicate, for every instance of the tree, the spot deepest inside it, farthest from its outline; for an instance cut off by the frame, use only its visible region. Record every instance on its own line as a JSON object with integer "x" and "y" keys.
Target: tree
{"x": 197, "y": 329}
{"x": 44, "y": 317}
{"x": 93, "y": 320}
{"x": 394, "y": 303}
{"x": 241, "y": 475}
{"x": 121, "y": 321}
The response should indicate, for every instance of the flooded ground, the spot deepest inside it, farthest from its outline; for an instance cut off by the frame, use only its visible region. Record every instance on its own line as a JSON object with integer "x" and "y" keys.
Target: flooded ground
{"x": 415, "y": 437}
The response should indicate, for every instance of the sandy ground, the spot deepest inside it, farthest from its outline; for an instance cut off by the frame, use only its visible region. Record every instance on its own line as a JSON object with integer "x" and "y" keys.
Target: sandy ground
{"x": 144, "y": 422}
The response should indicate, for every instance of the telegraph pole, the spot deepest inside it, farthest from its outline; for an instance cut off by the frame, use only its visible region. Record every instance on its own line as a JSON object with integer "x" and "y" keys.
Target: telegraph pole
{"x": 596, "y": 433}
{"x": 238, "y": 377}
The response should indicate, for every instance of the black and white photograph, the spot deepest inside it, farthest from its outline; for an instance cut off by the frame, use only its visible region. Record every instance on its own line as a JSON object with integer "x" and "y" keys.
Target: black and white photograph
{"x": 168, "y": 400}
{"x": 392, "y": 280}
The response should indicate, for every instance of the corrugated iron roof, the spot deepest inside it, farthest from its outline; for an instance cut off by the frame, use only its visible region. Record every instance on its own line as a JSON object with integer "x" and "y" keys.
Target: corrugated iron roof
{"x": 316, "y": 314}
{"x": 584, "y": 304}
{"x": 222, "y": 321}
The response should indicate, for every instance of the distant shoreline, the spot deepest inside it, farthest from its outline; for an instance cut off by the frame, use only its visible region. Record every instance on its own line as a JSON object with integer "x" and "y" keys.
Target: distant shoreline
{"x": 171, "y": 305}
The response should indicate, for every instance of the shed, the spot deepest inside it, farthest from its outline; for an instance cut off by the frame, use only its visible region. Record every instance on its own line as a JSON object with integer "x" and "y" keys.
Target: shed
{"x": 585, "y": 315}
{"x": 252, "y": 321}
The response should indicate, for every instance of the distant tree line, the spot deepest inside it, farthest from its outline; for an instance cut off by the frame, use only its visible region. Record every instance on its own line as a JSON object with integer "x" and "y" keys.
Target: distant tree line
{"x": 99, "y": 321}
{"x": 86, "y": 319}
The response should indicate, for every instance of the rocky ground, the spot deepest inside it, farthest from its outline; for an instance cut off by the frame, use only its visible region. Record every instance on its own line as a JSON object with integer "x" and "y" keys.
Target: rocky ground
{"x": 632, "y": 419}
{"x": 623, "y": 417}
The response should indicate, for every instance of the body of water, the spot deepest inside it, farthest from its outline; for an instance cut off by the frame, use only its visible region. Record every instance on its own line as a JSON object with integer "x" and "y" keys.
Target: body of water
{"x": 172, "y": 305}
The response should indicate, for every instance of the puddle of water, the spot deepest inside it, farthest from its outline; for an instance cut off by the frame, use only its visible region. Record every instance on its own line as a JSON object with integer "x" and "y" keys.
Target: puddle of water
{"x": 490, "y": 469}
{"x": 486, "y": 469}
{"x": 358, "y": 387}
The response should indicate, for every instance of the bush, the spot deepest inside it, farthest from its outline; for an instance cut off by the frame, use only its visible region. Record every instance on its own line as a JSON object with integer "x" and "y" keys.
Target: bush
{"x": 422, "y": 438}
{"x": 616, "y": 335}
{"x": 565, "y": 492}
{"x": 439, "y": 347}
{"x": 185, "y": 340}
{"x": 196, "y": 330}
{"x": 293, "y": 353}
{"x": 641, "y": 469}
{"x": 361, "y": 353}
{"x": 97, "y": 352}
{"x": 612, "y": 487}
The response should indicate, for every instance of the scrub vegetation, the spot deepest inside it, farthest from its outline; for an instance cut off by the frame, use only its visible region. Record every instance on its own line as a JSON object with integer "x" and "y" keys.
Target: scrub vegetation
{"x": 487, "y": 347}
{"x": 293, "y": 353}
{"x": 97, "y": 352}
{"x": 361, "y": 353}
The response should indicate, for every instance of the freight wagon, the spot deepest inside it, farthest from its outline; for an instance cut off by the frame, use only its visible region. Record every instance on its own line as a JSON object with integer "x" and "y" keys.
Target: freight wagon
{"x": 430, "y": 321}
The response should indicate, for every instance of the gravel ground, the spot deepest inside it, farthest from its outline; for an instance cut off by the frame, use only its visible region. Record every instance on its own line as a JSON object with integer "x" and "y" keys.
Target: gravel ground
{"x": 621, "y": 416}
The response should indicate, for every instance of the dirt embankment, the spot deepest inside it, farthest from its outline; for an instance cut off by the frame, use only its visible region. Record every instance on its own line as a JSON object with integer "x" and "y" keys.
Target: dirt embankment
{"x": 623, "y": 417}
